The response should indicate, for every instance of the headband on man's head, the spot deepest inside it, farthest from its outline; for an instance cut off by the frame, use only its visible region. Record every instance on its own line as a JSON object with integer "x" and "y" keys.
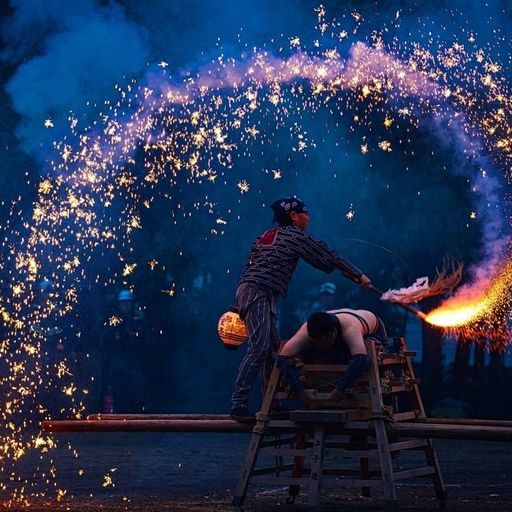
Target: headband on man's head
{"x": 283, "y": 207}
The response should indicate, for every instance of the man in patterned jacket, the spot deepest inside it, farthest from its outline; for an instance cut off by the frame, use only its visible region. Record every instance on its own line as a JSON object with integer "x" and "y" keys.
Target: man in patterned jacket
{"x": 272, "y": 261}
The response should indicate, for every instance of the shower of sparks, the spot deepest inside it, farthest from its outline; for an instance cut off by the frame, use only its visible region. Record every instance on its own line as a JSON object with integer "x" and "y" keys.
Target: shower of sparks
{"x": 158, "y": 131}
{"x": 479, "y": 313}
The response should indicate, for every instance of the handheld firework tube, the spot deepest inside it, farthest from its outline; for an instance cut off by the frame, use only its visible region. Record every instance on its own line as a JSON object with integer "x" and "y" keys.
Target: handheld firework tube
{"x": 232, "y": 330}
{"x": 408, "y": 307}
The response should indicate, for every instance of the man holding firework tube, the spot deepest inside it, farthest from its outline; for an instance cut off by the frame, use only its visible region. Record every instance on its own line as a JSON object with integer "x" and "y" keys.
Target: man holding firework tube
{"x": 273, "y": 258}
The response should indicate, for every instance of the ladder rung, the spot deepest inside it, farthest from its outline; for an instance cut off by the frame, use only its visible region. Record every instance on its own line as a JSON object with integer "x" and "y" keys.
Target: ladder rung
{"x": 397, "y": 389}
{"x": 412, "y": 473}
{"x": 289, "y": 452}
{"x": 277, "y": 442}
{"x": 408, "y": 445}
{"x": 404, "y": 416}
{"x": 334, "y": 416}
{"x": 347, "y": 452}
{"x": 271, "y": 469}
{"x": 280, "y": 424}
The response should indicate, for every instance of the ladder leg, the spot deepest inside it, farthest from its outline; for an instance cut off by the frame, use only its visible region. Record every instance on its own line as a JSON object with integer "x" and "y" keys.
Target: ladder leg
{"x": 249, "y": 463}
{"x": 430, "y": 451}
{"x": 316, "y": 466}
{"x": 298, "y": 463}
{"x": 375, "y": 389}
{"x": 272, "y": 384}
{"x": 257, "y": 436}
{"x": 365, "y": 470}
{"x": 437, "y": 478}
{"x": 386, "y": 467}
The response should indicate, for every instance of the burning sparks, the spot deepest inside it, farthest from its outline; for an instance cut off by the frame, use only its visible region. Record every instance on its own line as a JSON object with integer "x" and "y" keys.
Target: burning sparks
{"x": 479, "y": 312}
{"x": 457, "y": 314}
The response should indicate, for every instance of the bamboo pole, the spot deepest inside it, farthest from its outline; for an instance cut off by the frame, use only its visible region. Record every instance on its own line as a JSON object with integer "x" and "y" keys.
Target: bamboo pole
{"x": 404, "y": 429}
{"x": 111, "y": 417}
{"x": 139, "y": 425}
{"x": 470, "y": 421}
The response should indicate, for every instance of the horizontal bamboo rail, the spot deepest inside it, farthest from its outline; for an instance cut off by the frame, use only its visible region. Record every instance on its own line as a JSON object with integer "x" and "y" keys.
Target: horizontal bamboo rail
{"x": 111, "y": 417}
{"x": 222, "y": 424}
{"x": 154, "y": 425}
{"x": 470, "y": 421}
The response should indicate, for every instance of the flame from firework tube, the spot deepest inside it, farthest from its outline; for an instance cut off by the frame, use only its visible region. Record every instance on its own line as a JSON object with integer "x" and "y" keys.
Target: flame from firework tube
{"x": 456, "y": 314}
{"x": 473, "y": 302}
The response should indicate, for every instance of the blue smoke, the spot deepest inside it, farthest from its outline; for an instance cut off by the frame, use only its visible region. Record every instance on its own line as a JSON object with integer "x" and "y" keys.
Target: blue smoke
{"x": 86, "y": 49}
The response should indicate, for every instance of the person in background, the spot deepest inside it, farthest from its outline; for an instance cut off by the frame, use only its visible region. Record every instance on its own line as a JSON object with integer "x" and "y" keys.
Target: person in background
{"x": 272, "y": 261}
{"x": 125, "y": 359}
{"x": 322, "y": 300}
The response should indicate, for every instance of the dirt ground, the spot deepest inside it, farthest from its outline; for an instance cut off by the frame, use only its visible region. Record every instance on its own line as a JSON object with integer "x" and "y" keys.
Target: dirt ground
{"x": 198, "y": 472}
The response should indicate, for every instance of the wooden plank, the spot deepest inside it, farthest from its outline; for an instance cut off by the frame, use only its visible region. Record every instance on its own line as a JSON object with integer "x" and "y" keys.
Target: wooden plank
{"x": 333, "y": 416}
{"x": 413, "y": 444}
{"x": 394, "y": 390}
{"x": 349, "y": 472}
{"x": 271, "y": 469}
{"x": 287, "y": 452}
{"x": 315, "y": 477}
{"x": 414, "y": 473}
{"x": 278, "y": 442}
{"x": 359, "y": 453}
{"x": 404, "y": 416}
{"x": 280, "y": 424}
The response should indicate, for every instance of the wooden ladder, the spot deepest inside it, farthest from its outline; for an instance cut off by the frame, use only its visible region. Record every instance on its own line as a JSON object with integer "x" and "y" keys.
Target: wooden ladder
{"x": 357, "y": 428}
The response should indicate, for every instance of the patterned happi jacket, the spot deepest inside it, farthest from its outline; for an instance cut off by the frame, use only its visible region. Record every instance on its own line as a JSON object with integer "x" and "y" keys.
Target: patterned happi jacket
{"x": 275, "y": 254}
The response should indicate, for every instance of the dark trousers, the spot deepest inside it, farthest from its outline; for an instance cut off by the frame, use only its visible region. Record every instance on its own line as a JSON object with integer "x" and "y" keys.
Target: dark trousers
{"x": 257, "y": 308}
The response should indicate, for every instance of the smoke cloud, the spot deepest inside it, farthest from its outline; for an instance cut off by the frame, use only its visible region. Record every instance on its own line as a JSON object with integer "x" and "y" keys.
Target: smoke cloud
{"x": 72, "y": 57}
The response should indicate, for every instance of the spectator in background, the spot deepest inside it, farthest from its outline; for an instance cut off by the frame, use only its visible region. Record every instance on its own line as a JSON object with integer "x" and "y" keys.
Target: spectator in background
{"x": 126, "y": 359}
{"x": 58, "y": 336}
{"x": 323, "y": 301}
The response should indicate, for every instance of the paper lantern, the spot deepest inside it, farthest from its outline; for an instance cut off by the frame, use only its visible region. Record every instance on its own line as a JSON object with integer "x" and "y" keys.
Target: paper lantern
{"x": 232, "y": 330}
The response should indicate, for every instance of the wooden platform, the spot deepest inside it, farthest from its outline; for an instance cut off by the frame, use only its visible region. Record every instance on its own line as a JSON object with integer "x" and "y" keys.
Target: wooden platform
{"x": 303, "y": 460}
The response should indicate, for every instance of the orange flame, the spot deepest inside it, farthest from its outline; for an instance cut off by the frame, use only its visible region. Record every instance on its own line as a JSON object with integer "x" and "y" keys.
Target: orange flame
{"x": 475, "y": 302}
{"x": 456, "y": 314}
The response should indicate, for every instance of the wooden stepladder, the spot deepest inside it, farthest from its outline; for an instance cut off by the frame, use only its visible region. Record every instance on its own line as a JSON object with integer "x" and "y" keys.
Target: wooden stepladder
{"x": 307, "y": 445}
